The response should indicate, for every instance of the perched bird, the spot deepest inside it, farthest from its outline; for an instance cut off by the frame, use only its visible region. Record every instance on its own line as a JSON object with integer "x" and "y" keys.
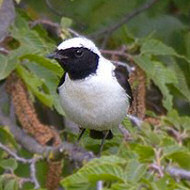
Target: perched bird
{"x": 94, "y": 92}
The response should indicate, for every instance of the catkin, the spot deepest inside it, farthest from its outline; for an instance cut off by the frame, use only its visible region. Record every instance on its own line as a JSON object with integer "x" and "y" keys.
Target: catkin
{"x": 30, "y": 122}
{"x": 137, "y": 81}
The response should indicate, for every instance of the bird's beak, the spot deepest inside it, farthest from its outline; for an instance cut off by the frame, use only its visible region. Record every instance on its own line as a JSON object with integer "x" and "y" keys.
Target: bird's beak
{"x": 51, "y": 55}
{"x": 56, "y": 55}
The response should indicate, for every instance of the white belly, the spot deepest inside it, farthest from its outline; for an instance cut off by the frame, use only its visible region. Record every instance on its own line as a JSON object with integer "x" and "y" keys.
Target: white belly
{"x": 98, "y": 103}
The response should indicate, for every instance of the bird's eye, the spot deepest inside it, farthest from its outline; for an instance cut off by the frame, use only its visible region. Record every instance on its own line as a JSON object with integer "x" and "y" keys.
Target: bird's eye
{"x": 79, "y": 53}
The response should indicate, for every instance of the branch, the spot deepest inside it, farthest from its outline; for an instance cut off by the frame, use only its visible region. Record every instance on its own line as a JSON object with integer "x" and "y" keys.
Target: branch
{"x": 54, "y": 26}
{"x": 135, "y": 120}
{"x": 110, "y": 29}
{"x": 121, "y": 53}
{"x": 99, "y": 185}
{"x": 127, "y": 136}
{"x": 14, "y": 155}
{"x": 33, "y": 173}
{"x": 73, "y": 152}
{"x": 4, "y": 51}
{"x": 178, "y": 173}
{"x": 32, "y": 162}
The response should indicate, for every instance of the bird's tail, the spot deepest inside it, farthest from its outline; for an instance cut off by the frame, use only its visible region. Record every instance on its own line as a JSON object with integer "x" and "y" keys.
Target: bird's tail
{"x": 100, "y": 134}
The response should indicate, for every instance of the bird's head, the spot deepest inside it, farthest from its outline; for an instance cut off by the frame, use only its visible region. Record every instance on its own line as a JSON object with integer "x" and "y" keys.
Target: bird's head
{"x": 77, "y": 56}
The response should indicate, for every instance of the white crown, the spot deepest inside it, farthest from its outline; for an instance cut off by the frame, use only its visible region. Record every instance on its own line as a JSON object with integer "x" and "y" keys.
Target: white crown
{"x": 79, "y": 42}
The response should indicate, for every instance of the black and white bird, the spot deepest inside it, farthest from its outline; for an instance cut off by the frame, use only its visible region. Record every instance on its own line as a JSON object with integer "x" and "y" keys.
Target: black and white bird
{"x": 94, "y": 93}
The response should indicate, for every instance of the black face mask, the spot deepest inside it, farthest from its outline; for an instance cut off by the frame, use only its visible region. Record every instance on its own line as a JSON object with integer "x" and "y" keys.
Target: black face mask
{"x": 77, "y": 62}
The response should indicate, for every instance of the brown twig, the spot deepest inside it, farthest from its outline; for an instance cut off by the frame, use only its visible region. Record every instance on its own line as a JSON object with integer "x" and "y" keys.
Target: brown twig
{"x": 178, "y": 136}
{"x": 121, "y": 53}
{"x": 55, "y": 27}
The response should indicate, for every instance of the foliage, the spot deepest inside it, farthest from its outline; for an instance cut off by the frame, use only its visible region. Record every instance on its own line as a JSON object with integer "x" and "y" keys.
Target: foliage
{"x": 158, "y": 41}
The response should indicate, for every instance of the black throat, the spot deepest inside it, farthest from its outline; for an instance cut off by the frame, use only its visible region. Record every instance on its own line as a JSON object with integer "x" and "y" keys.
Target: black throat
{"x": 78, "y": 66}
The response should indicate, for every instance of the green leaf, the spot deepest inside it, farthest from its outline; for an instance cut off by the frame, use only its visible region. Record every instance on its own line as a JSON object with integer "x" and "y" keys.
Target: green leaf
{"x": 178, "y": 121}
{"x": 161, "y": 76}
{"x": 135, "y": 171}
{"x": 104, "y": 168}
{"x": 66, "y": 22}
{"x": 160, "y": 184}
{"x": 30, "y": 41}
{"x": 35, "y": 85}
{"x": 1, "y": 182}
{"x": 156, "y": 47}
{"x": 182, "y": 159}
{"x": 145, "y": 153}
{"x": 7, "y": 135}
{"x": 181, "y": 85}
{"x": 169, "y": 150}
{"x": 121, "y": 186}
{"x": 43, "y": 61}
{"x": 7, "y": 65}
{"x": 8, "y": 164}
{"x": 11, "y": 185}
{"x": 50, "y": 80}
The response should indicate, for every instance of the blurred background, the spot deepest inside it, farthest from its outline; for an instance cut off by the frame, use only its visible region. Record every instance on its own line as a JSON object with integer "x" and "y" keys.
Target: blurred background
{"x": 152, "y": 39}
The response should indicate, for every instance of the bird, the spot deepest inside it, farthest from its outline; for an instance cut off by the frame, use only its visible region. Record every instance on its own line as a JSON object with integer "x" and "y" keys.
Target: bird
{"x": 94, "y": 92}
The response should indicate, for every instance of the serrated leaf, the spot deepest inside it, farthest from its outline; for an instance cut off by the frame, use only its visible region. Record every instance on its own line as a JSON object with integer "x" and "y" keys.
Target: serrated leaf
{"x": 5, "y": 132}
{"x": 178, "y": 121}
{"x": 7, "y": 65}
{"x": 168, "y": 150}
{"x": 29, "y": 40}
{"x": 9, "y": 164}
{"x": 43, "y": 61}
{"x": 121, "y": 186}
{"x": 35, "y": 85}
{"x": 145, "y": 153}
{"x": 11, "y": 185}
{"x": 161, "y": 76}
{"x": 182, "y": 158}
{"x": 185, "y": 122}
{"x": 156, "y": 47}
{"x": 165, "y": 183}
{"x": 50, "y": 80}
{"x": 104, "y": 168}
{"x": 135, "y": 171}
{"x": 181, "y": 85}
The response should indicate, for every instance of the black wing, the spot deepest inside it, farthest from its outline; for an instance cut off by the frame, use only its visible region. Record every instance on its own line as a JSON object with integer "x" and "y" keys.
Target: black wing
{"x": 122, "y": 76}
{"x": 62, "y": 80}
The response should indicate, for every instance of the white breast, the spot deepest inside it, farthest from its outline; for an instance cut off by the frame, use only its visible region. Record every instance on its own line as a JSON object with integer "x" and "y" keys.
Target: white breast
{"x": 97, "y": 102}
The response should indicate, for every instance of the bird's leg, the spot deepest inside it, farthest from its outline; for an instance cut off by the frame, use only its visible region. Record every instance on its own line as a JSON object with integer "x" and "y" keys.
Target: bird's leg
{"x": 81, "y": 134}
{"x": 102, "y": 142}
